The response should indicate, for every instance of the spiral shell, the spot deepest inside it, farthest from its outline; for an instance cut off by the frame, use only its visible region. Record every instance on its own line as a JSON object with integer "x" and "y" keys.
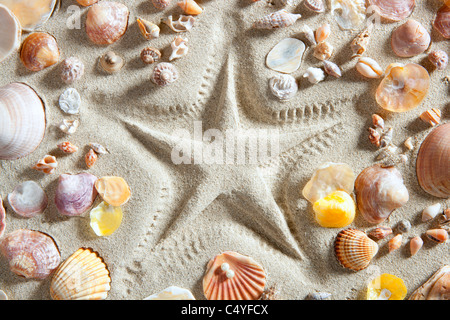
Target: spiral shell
{"x": 233, "y": 276}
{"x": 190, "y": 7}
{"x": 433, "y": 162}
{"x": 2, "y": 218}
{"x": 75, "y": 194}
{"x": 28, "y": 199}
{"x": 183, "y": 24}
{"x": 161, "y": 4}
{"x": 164, "y": 74}
{"x": 39, "y": 51}
{"x": 11, "y": 38}
{"x": 394, "y": 10}
{"x": 111, "y": 62}
{"x": 442, "y": 21}
{"x": 31, "y": 254}
{"x": 410, "y": 39}
{"x": 148, "y": 29}
{"x": 83, "y": 276}
{"x": 279, "y": 19}
{"x": 150, "y": 55}
{"x": 114, "y": 190}
{"x": 31, "y": 14}
{"x": 179, "y": 48}
{"x": 415, "y": 245}
{"x": 437, "y": 287}
{"x": 72, "y": 70}
{"x": 22, "y": 121}
{"x": 315, "y": 5}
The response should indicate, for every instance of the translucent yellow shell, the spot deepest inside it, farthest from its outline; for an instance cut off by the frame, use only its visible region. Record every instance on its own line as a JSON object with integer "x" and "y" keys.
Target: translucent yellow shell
{"x": 105, "y": 219}
{"x": 392, "y": 285}
{"x": 336, "y": 210}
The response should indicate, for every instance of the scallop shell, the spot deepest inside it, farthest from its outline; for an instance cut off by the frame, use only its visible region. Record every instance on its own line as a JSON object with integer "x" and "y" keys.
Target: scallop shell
{"x": 442, "y": 21}
{"x": 183, "y": 24}
{"x": 150, "y": 55}
{"x": 283, "y": 86}
{"x": 83, "y": 276}
{"x": 72, "y": 70}
{"x": 315, "y": 5}
{"x": 46, "y": 165}
{"x": 349, "y": 14}
{"x": 161, "y": 4}
{"x": 190, "y": 7}
{"x": 179, "y": 48}
{"x": 70, "y": 101}
{"x": 11, "y": 38}
{"x": 39, "y": 51}
{"x": 410, "y": 39}
{"x": 286, "y": 56}
{"x": 279, "y": 19}
{"x": 164, "y": 74}
{"x": 433, "y": 162}
{"x": 28, "y": 199}
{"x": 114, "y": 190}
{"x": 437, "y": 287}
{"x": 31, "y": 254}
{"x": 394, "y": 10}
{"x": 22, "y": 121}
{"x": 105, "y": 219}
{"x": 75, "y": 194}
{"x": 172, "y": 293}
{"x": 379, "y": 191}
{"x": 2, "y": 218}
{"x": 233, "y": 276}
{"x": 148, "y": 29}
{"x": 107, "y": 22}
{"x": 31, "y": 14}
{"x": 354, "y": 249}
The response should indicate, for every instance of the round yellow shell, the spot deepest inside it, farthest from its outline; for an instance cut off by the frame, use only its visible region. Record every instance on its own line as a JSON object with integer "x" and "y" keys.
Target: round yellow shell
{"x": 387, "y": 281}
{"x": 336, "y": 210}
{"x": 105, "y": 219}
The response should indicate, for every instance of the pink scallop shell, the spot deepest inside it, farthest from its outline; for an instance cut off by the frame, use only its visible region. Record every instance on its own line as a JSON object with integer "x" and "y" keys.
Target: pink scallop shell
{"x": 75, "y": 194}
{"x": 394, "y": 10}
{"x": 28, "y": 199}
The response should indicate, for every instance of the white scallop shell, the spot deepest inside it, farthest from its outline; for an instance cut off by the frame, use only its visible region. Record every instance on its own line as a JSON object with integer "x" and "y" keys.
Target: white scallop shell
{"x": 184, "y": 23}
{"x": 283, "y": 86}
{"x": 349, "y": 14}
{"x": 286, "y": 56}
{"x": 179, "y": 48}
{"x": 70, "y": 101}
{"x": 10, "y": 34}
{"x": 28, "y": 199}
{"x": 172, "y": 293}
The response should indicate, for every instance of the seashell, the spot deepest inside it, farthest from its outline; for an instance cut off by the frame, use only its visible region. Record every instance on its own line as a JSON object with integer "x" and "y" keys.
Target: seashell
{"x": 3, "y": 295}
{"x": 442, "y": 21}
{"x": 437, "y": 235}
{"x": 380, "y": 232}
{"x": 179, "y": 48}
{"x": 323, "y": 51}
{"x": 387, "y": 138}
{"x": 172, "y": 293}
{"x": 107, "y": 22}
{"x": 183, "y": 24}
{"x": 360, "y": 43}
{"x": 309, "y": 34}
{"x": 349, "y": 14}
{"x": 444, "y": 219}
{"x": 286, "y": 56}
{"x": 354, "y": 249}
{"x": 190, "y": 7}
{"x": 314, "y": 75}
{"x": 9, "y": 39}
{"x": 69, "y": 126}
{"x": 315, "y": 5}
{"x": 164, "y": 74}
{"x": 90, "y": 158}
{"x": 2, "y": 218}
{"x": 279, "y": 19}
{"x": 160, "y": 4}
{"x": 114, "y": 190}
{"x": 30, "y": 254}
{"x": 409, "y": 143}
{"x": 318, "y": 296}
{"x": 72, "y": 70}
{"x": 111, "y": 62}
{"x": 98, "y": 148}
{"x": 437, "y": 287}
{"x": 283, "y": 86}
{"x": 395, "y": 242}
{"x": 415, "y": 245}
{"x": 374, "y": 137}
{"x": 369, "y": 68}
{"x": 83, "y": 276}
{"x": 39, "y": 51}
{"x": 70, "y": 101}
{"x": 332, "y": 69}
{"x": 433, "y": 165}
{"x": 86, "y": 3}
{"x": 47, "y": 165}
{"x": 379, "y": 191}
{"x": 439, "y": 59}
{"x": 386, "y": 287}
{"x": 150, "y": 55}
{"x": 75, "y": 194}
{"x": 387, "y": 151}
{"x": 148, "y": 29}
{"x": 403, "y": 87}
{"x": 328, "y": 178}
{"x": 394, "y": 10}
{"x": 233, "y": 276}
{"x": 336, "y": 210}
{"x": 404, "y": 226}
{"x": 28, "y": 199}
{"x": 270, "y": 293}
{"x": 431, "y": 212}
{"x": 410, "y": 39}
{"x": 22, "y": 121}
{"x": 378, "y": 121}
{"x": 31, "y": 14}
{"x": 323, "y": 32}
{"x": 432, "y": 116}
{"x": 105, "y": 219}
{"x": 67, "y": 147}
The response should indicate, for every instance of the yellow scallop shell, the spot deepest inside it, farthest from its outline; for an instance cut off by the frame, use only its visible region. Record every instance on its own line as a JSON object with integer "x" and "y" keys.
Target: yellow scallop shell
{"x": 337, "y": 210}
{"x": 105, "y": 219}
{"x": 393, "y": 286}
{"x": 114, "y": 190}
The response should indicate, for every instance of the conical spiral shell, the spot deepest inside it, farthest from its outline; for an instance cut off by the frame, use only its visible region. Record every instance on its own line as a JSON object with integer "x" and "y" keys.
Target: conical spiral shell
{"x": 354, "y": 249}
{"x": 233, "y": 276}
{"x": 279, "y": 19}
{"x": 83, "y": 276}
{"x": 22, "y": 121}
{"x": 433, "y": 162}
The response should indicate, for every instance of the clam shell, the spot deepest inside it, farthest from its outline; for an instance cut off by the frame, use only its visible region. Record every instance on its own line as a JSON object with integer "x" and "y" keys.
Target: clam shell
{"x": 437, "y": 287}
{"x": 31, "y": 254}
{"x": 433, "y": 162}
{"x": 442, "y": 21}
{"x": 22, "y": 121}
{"x": 279, "y": 19}
{"x": 246, "y": 281}
{"x": 410, "y": 39}
{"x": 114, "y": 190}
{"x": 31, "y": 14}
{"x": 164, "y": 74}
{"x": 106, "y": 22}
{"x": 2, "y": 218}
{"x": 10, "y": 38}
{"x": 286, "y": 56}
{"x": 394, "y": 10}
{"x": 315, "y": 5}
{"x": 379, "y": 191}
{"x": 172, "y": 293}
{"x": 39, "y": 51}
{"x": 75, "y": 194}
{"x": 349, "y": 14}
{"x": 83, "y": 276}
{"x": 105, "y": 219}
{"x": 354, "y": 249}
{"x": 28, "y": 199}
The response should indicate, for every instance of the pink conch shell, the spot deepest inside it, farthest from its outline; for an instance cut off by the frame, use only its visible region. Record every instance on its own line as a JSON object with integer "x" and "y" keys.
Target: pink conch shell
{"x": 75, "y": 194}
{"x": 28, "y": 199}
{"x": 442, "y": 21}
{"x": 394, "y": 10}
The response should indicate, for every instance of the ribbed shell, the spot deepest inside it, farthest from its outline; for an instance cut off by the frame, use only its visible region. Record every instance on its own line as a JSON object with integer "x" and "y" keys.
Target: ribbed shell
{"x": 31, "y": 14}
{"x": 2, "y": 218}
{"x": 315, "y": 5}
{"x": 75, "y": 194}
{"x": 442, "y": 21}
{"x": 394, "y": 10}
{"x": 354, "y": 249}
{"x": 247, "y": 283}
{"x": 11, "y": 34}
{"x": 31, "y": 254}
{"x": 279, "y": 19}
{"x": 164, "y": 74}
{"x": 72, "y": 70}
{"x": 39, "y": 51}
{"x": 83, "y": 276}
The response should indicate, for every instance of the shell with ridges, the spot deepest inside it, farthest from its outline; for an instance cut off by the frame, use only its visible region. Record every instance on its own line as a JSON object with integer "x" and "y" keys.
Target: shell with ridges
{"x": 70, "y": 101}
{"x": 148, "y": 29}
{"x": 28, "y": 199}
{"x": 283, "y": 86}
{"x": 2, "y": 218}
{"x": 179, "y": 48}
{"x": 150, "y": 55}
{"x": 394, "y": 10}
{"x": 279, "y": 19}
{"x": 75, "y": 194}
{"x": 10, "y": 38}
{"x": 164, "y": 74}
{"x": 442, "y": 21}
{"x": 114, "y": 190}
{"x": 31, "y": 14}
{"x": 437, "y": 287}
{"x": 39, "y": 51}
{"x": 380, "y": 232}
{"x": 72, "y": 70}
{"x": 47, "y": 164}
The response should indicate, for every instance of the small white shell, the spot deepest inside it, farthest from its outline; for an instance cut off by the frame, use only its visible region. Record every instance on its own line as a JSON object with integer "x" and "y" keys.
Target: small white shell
{"x": 70, "y": 101}
{"x": 286, "y": 56}
{"x": 283, "y": 86}
{"x": 431, "y": 212}
{"x": 309, "y": 34}
{"x": 98, "y": 148}
{"x": 69, "y": 126}
{"x": 314, "y": 75}
{"x": 183, "y": 24}
{"x": 179, "y": 48}
{"x": 315, "y": 5}
{"x": 369, "y": 68}
{"x": 349, "y": 14}
{"x": 172, "y": 293}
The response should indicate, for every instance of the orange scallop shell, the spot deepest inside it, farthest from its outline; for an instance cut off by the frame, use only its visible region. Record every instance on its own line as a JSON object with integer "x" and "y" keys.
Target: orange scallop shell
{"x": 39, "y": 51}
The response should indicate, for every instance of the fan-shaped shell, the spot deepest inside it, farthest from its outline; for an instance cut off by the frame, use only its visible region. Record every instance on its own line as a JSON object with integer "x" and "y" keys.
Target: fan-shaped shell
{"x": 10, "y": 34}
{"x": 31, "y": 254}
{"x": 75, "y": 194}
{"x": 39, "y": 51}
{"x": 114, "y": 190}
{"x": 379, "y": 191}
{"x": 354, "y": 249}
{"x": 437, "y": 287}
{"x": 433, "y": 162}
{"x": 442, "y": 21}
{"x": 394, "y": 10}
{"x": 22, "y": 121}
{"x": 83, "y": 276}
{"x": 28, "y": 199}
{"x": 31, "y": 14}
{"x": 233, "y": 276}
{"x": 410, "y": 39}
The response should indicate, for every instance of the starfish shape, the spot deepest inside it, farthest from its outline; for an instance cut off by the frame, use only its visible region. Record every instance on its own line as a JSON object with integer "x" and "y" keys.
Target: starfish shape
{"x": 242, "y": 184}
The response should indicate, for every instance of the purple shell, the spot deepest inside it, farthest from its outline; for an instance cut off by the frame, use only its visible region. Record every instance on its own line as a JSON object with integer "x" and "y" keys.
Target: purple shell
{"x": 2, "y": 218}
{"x": 75, "y": 194}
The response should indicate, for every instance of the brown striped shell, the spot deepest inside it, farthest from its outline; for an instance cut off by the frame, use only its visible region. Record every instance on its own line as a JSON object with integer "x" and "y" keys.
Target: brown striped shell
{"x": 442, "y": 21}
{"x": 394, "y": 10}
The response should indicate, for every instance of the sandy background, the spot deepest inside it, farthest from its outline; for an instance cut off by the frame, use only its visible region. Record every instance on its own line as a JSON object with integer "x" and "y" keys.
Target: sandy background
{"x": 323, "y": 122}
